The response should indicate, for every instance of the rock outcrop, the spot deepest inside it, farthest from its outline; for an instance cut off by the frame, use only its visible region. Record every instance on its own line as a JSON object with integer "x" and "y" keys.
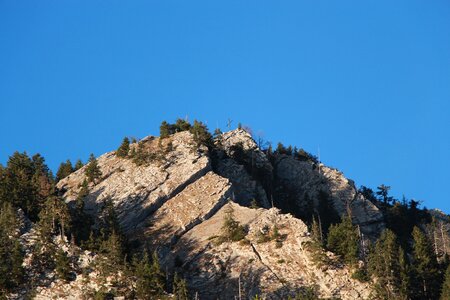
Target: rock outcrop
{"x": 271, "y": 269}
{"x": 138, "y": 191}
{"x": 305, "y": 181}
{"x": 176, "y": 204}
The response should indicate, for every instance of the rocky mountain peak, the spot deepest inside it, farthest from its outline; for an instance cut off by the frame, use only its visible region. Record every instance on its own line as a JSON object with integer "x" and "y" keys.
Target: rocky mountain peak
{"x": 175, "y": 203}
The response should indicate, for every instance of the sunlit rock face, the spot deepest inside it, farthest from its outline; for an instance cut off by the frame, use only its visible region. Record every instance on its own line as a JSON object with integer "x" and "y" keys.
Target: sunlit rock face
{"x": 176, "y": 205}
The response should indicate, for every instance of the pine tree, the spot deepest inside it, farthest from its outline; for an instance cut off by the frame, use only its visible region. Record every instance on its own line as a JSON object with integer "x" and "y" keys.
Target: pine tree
{"x": 113, "y": 251}
{"x": 201, "y": 135}
{"x": 165, "y": 130}
{"x": 182, "y": 125}
{"x": 232, "y": 231}
{"x": 385, "y": 266}
{"x": 445, "y": 292}
{"x": 8, "y": 220}
{"x": 92, "y": 171}
{"x": 157, "y": 274}
{"x": 78, "y": 165}
{"x": 11, "y": 255}
{"x": 17, "y": 187}
{"x": 124, "y": 148}
{"x": 81, "y": 221}
{"x": 64, "y": 170}
{"x": 179, "y": 288}
{"x": 316, "y": 232}
{"x": 56, "y": 214}
{"x": 62, "y": 265}
{"x": 405, "y": 275}
{"x": 11, "y": 258}
{"x": 343, "y": 239}
{"x": 383, "y": 192}
{"x": 426, "y": 273}
{"x": 143, "y": 273}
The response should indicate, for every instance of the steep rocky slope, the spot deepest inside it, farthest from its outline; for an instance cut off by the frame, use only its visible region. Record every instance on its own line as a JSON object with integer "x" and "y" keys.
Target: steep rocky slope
{"x": 176, "y": 204}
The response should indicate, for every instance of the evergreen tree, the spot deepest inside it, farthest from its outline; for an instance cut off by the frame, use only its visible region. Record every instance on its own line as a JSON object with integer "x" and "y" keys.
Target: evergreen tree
{"x": 316, "y": 232}
{"x": 17, "y": 186}
{"x": 201, "y": 135}
{"x": 113, "y": 251}
{"x": 81, "y": 221}
{"x": 445, "y": 292}
{"x": 385, "y": 266}
{"x": 405, "y": 275}
{"x": 64, "y": 170}
{"x": 42, "y": 179}
{"x": 62, "y": 265}
{"x": 280, "y": 149}
{"x": 165, "y": 130}
{"x": 426, "y": 279}
{"x": 8, "y": 220}
{"x": 78, "y": 165}
{"x": 124, "y": 148}
{"x": 343, "y": 239}
{"x": 383, "y": 194}
{"x": 92, "y": 171}
{"x": 143, "y": 273}
{"x": 182, "y": 125}
{"x": 179, "y": 288}
{"x": 232, "y": 231}
{"x": 11, "y": 258}
{"x": 157, "y": 274}
{"x": 55, "y": 214}
{"x": 316, "y": 246}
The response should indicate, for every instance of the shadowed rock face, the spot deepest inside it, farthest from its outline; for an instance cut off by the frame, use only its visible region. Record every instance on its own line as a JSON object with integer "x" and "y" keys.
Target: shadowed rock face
{"x": 176, "y": 205}
{"x": 273, "y": 270}
{"x": 304, "y": 180}
{"x": 297, "y": 181}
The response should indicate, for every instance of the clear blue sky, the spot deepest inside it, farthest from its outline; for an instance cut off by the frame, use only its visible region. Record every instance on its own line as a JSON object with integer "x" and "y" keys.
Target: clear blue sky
{"x": 367, "y": 81}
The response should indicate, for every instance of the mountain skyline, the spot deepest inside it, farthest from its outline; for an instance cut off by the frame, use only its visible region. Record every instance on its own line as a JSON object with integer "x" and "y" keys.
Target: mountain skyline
{"x": 367, "y": 83}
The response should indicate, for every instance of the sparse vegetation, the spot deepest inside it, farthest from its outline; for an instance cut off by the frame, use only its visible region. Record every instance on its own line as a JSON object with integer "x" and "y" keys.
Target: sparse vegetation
{"x": 92, "y": 171}
{"x": 232, "y": 230}
{"x": 124, "y": 148}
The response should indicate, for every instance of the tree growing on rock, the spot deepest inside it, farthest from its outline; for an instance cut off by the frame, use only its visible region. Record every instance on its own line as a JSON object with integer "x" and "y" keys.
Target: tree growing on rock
{"x": 64, "y": 170}
{"x": 343, "y": 239}
{"x": 165, "y": 129}
{"x": 62, "y": 268}
{"x": 124, "y": 148}
{"x": 92, "y": 171}
{"x": 232, "y": 230}
{"x": 149, "y": 277}
{"x": 78, "y": 165}
{"x": 201, "y": 135}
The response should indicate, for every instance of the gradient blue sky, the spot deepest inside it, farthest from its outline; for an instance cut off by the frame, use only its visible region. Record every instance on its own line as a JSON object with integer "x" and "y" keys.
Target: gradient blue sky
{"x": 367, "y": 81}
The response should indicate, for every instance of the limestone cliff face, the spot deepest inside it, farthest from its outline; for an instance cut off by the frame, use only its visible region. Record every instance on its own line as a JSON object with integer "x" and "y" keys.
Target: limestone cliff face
{"x": 271, "y": 269}
{"x": 176, "y": 205}
{"x": 138, "y": 191}
{"x": 300, "y": 181}
{"x": 304, "y": 180}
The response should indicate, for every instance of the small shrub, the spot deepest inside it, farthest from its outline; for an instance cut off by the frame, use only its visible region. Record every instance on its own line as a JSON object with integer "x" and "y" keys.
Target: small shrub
{"x": 254, "y": 204}
{"x": 361, "y": 275}
{"x": 231, "y": 229}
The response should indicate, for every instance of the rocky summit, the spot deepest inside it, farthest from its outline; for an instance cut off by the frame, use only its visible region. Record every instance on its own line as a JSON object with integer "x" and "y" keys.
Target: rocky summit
{"x": 176, "y": 206}
{"x": 190, "y": 216}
